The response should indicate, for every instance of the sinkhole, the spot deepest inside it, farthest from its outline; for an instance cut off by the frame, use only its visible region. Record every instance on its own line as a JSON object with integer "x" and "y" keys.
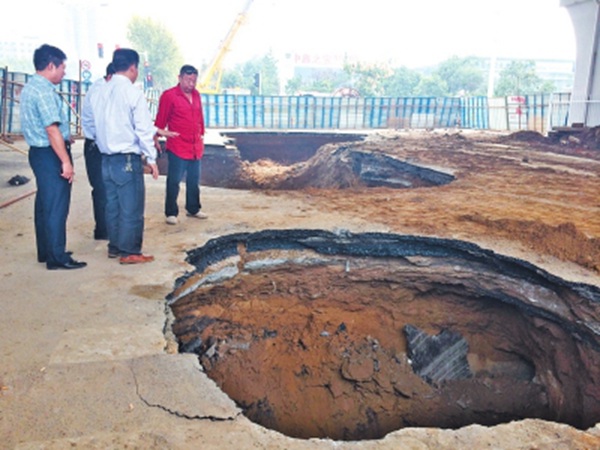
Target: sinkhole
{"x": 291, "y": 161}
{"x": 351, "y": 336}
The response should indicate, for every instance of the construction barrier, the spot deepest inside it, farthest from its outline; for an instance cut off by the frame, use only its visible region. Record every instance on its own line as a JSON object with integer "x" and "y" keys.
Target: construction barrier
{"x": 11, "y": 84}
{"x": 308, "y": 112}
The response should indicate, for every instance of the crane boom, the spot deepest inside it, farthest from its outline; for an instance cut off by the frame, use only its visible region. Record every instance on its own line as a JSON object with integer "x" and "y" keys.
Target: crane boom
{"x": 210, "y": 82}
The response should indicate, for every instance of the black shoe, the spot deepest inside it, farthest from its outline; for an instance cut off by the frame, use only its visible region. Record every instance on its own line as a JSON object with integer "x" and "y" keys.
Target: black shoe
{"x": 72, "y": 264}
{"x": 43, "y": 260}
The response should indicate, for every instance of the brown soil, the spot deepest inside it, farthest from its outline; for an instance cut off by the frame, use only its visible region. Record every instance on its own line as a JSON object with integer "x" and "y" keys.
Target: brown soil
{"x": 523, "y": 187}
{"x": 318, "y": 353}
{"x": 299, "y": 347}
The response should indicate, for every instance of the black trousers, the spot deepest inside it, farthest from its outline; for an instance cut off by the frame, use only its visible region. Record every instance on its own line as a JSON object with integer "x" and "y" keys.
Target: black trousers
{"x": 93, "y": 167}
{"x": 52, "y": 201}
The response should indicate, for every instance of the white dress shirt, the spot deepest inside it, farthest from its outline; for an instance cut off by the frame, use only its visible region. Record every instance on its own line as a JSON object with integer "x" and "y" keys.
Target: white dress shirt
{"x": 122, "y": 119}
{"x": 87, "y": 116}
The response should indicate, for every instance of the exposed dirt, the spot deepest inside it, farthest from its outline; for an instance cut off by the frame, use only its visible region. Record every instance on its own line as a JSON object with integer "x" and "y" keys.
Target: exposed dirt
{"x": 535, "y": 191}
{"x": 297, "y": 347}
{"x": 321, "y": 352}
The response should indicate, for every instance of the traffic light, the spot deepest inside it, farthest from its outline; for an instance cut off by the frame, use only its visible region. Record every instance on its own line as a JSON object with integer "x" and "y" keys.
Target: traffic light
{"x": 148, "y": 79}
{"x": 257, "y": 80}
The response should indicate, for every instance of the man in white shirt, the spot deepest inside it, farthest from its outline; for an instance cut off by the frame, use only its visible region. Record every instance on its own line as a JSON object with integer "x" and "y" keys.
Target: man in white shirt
{"x": 125, "y": 137}
{"x": 93, "y": 157}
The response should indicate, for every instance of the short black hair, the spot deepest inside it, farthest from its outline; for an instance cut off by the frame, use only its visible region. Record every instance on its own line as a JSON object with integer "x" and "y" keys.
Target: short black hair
{"x": 110, "y": 69}
{"x": 47, "y": 54}
{"x": 124, "y": 58}
{"x": 188, "y": 70}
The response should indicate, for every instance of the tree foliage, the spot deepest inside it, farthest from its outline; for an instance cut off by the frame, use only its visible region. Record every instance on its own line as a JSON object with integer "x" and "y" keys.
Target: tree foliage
{"x": 402, "y": 82}
{"x": 367, "y": 79}
{"x": 431, "y": 86}
{"x": 158, "y": 47}
{"x": 452, "y": 77}
{"x": 519, "y": 78}
{"x": 462, "y": 76}
{"x": 243, "y": 76}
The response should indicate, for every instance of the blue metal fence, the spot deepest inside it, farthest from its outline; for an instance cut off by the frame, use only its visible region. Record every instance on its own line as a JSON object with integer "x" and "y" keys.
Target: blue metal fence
{"x": 475, "y": 113}
{"x": 530, "y": 112}
{"x": 310, "y": 112}
{"x": 72, "y": 92}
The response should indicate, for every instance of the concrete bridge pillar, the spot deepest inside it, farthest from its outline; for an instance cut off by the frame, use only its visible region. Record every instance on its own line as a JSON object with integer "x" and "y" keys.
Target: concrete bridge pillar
{"x": 585, "y": 99}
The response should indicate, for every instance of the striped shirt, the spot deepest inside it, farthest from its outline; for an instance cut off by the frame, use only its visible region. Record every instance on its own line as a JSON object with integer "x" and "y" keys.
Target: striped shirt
{"x": 41, "y": 106}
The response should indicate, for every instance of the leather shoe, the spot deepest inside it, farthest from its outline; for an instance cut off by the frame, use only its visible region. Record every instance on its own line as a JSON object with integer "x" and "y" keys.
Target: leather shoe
{"x": 136, "y": 259}
{"x": 72, "y": 264}
{"x": 43, "y": 260}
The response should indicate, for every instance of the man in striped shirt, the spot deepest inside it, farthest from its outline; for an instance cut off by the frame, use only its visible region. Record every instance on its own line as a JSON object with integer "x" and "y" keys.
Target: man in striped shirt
{"x": 46, "y": 130}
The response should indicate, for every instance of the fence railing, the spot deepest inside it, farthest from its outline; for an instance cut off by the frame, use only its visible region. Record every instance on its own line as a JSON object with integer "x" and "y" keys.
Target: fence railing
{"x": 527, "y": 112}
{"x": 11, "y": 84}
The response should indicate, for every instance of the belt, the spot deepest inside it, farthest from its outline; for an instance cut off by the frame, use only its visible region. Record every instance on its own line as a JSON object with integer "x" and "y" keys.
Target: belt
{"x": 49, "y": 147}
{"x": 131, "y": 155}
{"x": 33, "y": 147}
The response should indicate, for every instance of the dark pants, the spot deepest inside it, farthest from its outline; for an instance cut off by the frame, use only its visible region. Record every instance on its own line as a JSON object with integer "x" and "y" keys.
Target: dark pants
{"x": 52, "y": 201}
{"x": 123, "y": 177}
{"x": 93, "y": 167}
{"x": 177, "y": 167}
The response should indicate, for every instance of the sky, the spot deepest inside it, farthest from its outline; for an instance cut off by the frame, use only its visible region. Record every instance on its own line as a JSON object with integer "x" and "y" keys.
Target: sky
{"x": 413, "y": 33}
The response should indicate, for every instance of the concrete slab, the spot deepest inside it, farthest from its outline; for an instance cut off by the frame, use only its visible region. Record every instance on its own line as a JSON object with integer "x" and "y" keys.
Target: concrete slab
{"x": 109, "y": 343}
{"x": 178, "y": 384}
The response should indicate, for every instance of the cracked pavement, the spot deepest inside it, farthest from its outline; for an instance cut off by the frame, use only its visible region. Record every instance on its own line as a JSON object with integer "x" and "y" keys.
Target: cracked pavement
{"x": 84, "y": 358}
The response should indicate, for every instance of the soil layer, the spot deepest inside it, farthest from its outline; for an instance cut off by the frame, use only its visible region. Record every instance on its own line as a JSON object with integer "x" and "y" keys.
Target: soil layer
{"x": 321, "y": 352}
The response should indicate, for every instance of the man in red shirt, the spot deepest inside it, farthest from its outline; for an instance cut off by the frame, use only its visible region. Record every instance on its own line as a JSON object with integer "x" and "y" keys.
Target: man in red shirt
{"x": 180, "y": 111}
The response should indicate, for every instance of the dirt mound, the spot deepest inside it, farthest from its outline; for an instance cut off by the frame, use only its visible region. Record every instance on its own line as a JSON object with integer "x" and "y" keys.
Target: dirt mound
{"x": 522, "y": 192}
{"x": 262, "y": 174}
{"x": 590, "y": 138}
{"x": 562, "y": 241}
{"x": 342, "y": 167}
{"x": 527, "y": 136}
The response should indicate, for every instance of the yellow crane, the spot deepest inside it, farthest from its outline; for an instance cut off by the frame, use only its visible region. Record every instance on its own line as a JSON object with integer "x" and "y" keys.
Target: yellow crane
{"x": 210, "y": 81}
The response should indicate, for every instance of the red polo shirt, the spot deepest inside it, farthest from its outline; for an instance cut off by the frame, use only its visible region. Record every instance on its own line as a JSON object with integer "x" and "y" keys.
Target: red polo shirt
{"x": 177, "y": 113}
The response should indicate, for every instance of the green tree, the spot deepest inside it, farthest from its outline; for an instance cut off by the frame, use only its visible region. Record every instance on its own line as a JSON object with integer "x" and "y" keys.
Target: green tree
{"x": 402, "y": 82}
{"x": 293, "y": 85}
{"x": 462, "y": 76}
{"x": 158, "y": 47}
{"x": 431, "y": 86}
{"x": 243, "y": 76}
{"x": 326, "y": 82}
{"x": 547, "y": 87}
{"x": 232, "y": 79}
{"x": 368, "y": 79}
{"x": 520, "y": 78}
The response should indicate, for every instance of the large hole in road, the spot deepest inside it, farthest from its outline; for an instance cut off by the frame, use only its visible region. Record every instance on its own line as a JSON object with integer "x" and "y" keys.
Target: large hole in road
{"x": 270, "y": 160}
{"x": 351, "y": 336}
